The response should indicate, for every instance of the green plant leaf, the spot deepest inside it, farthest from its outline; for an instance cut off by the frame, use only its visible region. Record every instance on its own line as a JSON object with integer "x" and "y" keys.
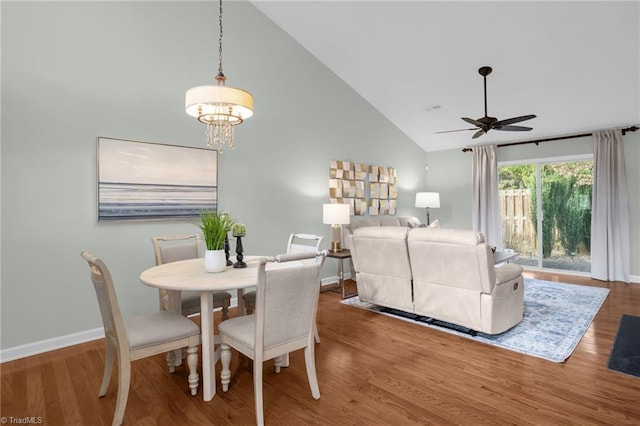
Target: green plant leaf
{"x": 215, "y": 227}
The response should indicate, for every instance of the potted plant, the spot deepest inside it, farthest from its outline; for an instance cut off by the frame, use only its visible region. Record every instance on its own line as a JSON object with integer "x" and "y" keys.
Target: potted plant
{"x": 215, "y": 227}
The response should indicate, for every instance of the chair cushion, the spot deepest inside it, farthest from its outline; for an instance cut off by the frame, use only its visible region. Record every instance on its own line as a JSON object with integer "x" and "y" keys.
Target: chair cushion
{"x": 242, "y": 329}
{"x": 158, "y": 327}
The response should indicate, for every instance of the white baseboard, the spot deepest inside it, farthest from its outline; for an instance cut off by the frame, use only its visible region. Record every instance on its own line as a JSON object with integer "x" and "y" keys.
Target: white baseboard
{"x": 47, "y": 345}
{"x": 35, "y": 348}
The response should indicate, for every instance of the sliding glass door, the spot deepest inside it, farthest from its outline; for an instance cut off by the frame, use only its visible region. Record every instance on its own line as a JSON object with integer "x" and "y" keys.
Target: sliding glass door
{"x": 546, "y": 212}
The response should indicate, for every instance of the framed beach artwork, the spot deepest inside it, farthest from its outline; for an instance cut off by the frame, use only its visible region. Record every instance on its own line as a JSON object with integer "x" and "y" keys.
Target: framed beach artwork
{"x": 150, "y": 181}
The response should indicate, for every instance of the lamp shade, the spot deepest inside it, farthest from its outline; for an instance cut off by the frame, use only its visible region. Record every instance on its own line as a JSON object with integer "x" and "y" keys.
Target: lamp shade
{"x": 428, "y": 199}
{"x": 335, "y": 214}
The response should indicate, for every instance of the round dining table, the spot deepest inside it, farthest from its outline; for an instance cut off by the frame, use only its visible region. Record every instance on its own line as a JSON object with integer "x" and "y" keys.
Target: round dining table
{"x": 190, "y": 275}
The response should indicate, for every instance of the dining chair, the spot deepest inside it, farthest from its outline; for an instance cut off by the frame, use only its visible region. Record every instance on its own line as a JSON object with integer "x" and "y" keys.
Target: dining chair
{"x": 172, "y": 248}
{"x": 298, "y": 243}
{"x": 138, "y": 337}
{"x": 284, "y": 321}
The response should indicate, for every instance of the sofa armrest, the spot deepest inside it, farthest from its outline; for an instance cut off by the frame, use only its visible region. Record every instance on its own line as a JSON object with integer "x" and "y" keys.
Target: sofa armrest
{"x": 507, "y": 272}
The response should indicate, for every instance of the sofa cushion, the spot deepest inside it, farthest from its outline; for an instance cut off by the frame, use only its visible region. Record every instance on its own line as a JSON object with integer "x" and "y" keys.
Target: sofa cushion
{"x": 360, "y": 222}
{"x": 381, "y": 261}
{"x": 409, "y": 221}
{"x": 389, "y": 221}
{"x": 452, "y": 257}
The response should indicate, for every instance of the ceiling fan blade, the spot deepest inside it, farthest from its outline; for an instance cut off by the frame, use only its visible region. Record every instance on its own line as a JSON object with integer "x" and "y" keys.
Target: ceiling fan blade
{"x": 472, "y": 121}
{"x": 459, "y": 130}
{"x": 513, "y": 128}
{"x": 513, "y": 120}
{"x": 478, "y": 133}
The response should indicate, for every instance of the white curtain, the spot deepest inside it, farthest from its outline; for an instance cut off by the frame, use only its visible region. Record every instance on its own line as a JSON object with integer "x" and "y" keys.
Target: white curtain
{"x": 486, "y": 201}
{"x": 610, "y": 252}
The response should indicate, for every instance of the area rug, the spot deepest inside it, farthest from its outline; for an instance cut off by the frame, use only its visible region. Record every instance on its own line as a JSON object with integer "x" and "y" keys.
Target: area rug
{"x": 625, "y": 355}
{"x": 556, "y": 316}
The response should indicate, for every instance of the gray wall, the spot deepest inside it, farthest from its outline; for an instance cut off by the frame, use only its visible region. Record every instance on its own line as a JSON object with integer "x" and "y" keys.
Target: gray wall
{"x": 450, "y": 174}
{"x": 74, "y": 71}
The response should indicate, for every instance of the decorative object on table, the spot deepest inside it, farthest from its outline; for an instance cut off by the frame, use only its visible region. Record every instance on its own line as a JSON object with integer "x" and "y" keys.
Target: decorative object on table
{"x": 335, "y": 215}
{"x": 149, "y": 181}
{"x": 219, "y": 107}
{"x": 428, "y": 200}
{"x": 556, "y": 316}
{"x": 215, "y": 227}
{"x": 239, "y": 230}
{"x": 227, "y": 249}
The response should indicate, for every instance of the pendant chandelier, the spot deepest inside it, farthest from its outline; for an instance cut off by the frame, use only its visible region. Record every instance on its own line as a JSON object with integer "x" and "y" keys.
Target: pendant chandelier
{"x": 219, "y": 107}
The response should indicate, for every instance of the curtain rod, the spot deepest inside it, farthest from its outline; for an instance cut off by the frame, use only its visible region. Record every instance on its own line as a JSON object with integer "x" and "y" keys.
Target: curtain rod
{"x": 537, "y": 141}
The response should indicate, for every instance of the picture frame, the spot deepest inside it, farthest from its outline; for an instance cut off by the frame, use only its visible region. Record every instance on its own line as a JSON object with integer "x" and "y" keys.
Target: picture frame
{"x": 150, "y": 181}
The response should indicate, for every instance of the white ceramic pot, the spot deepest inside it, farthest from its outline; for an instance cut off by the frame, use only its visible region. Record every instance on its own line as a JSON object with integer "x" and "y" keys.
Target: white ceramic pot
{"x": 215, "y": 260}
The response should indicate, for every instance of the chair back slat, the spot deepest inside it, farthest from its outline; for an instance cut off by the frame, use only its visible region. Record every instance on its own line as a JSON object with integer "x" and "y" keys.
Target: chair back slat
{"x": 304, "y": 243}
{"x": 105, "y": 292}
{"x": 173, "y": 248}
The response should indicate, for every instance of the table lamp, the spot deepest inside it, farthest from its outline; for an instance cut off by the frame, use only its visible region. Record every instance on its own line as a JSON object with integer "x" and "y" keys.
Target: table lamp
{"x": 336, "y": 215}
{"x": 428, "y": 200}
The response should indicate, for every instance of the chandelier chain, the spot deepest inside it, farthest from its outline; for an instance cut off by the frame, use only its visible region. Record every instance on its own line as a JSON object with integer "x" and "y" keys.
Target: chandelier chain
{"x": 220, "y": 42}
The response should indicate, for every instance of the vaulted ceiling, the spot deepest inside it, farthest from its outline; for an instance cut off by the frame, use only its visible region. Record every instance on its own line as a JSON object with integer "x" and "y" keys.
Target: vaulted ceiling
{"x": 573, "y": 64}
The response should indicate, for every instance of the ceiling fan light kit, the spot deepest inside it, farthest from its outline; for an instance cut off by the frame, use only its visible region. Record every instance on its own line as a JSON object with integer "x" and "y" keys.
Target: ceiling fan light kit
{"x": 486, "y": 123}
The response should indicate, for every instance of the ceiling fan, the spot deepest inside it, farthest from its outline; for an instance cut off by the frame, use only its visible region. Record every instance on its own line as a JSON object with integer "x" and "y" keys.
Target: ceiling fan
{"x": 486, "y": 123}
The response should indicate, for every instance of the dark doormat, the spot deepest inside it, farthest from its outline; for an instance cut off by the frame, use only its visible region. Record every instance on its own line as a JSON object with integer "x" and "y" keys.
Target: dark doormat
{"x": 625, "y": 355}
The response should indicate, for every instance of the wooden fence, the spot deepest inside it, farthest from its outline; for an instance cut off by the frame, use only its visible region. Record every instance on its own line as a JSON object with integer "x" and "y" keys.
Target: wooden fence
{"x": 518, "y": 232}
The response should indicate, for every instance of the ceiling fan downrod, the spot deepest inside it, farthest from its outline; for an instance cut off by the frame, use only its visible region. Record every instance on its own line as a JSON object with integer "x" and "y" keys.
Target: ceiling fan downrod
{"x": 484, "y": 72}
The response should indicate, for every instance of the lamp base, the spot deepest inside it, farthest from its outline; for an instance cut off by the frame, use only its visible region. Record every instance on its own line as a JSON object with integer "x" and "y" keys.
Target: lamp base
{"x": 336, "y": 246}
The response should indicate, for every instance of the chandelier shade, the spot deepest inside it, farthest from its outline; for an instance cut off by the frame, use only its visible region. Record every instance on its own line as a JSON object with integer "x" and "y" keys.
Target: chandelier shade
{"x": 219, "y": 103}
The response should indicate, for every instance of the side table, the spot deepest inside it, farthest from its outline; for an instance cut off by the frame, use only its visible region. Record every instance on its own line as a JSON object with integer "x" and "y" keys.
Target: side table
{"x": 341, "y": 256}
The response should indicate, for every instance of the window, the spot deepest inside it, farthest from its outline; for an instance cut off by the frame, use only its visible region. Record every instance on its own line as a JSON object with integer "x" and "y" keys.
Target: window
{"x": 562, "y": 213}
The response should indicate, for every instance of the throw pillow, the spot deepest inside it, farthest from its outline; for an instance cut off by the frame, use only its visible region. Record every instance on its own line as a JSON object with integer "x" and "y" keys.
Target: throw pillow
{"x": 434, "y": 224}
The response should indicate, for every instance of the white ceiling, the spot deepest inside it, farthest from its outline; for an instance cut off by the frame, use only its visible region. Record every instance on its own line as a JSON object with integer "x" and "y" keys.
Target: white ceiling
{"x": 573, "y": 64}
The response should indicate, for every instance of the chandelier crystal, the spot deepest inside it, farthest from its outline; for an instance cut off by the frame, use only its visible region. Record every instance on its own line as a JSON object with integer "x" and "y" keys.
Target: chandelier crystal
{"x": 219, "y": 107}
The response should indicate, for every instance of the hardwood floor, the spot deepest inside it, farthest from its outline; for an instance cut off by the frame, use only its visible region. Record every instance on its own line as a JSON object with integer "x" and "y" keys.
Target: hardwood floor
{"x": 372, "y": 370}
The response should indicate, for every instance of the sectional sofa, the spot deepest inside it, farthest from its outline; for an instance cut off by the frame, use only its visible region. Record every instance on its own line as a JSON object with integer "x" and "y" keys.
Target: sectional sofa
{"x": 444, "y": 274}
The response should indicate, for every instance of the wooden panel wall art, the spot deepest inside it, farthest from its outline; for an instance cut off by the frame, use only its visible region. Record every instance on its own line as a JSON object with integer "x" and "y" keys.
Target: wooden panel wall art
{"x": 346, "y": 185}
{"x": 383, "y": 190}
{"x": 348, "y": 182}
